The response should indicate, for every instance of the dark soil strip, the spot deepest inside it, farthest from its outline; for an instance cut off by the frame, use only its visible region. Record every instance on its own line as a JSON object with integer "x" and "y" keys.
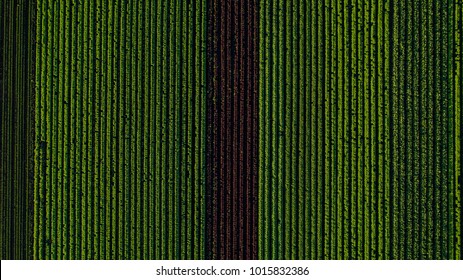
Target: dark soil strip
{"x": 232, "y": 130}
{"x": 17, "y": 49}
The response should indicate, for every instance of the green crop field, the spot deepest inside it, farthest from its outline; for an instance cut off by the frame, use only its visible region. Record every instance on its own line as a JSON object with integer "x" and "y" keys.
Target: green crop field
{"x": 244, "y": 129}
{"x": 360, "y": 129}
{"x": 119, "y": 136}
{"x": 16, "y": 128}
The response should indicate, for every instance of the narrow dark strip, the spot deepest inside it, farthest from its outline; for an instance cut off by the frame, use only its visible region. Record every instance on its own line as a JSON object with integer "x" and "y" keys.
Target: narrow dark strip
{"x": 29, "y": 59}
{"x": 232, "y": 68}
{"x": 17, "y": 79}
